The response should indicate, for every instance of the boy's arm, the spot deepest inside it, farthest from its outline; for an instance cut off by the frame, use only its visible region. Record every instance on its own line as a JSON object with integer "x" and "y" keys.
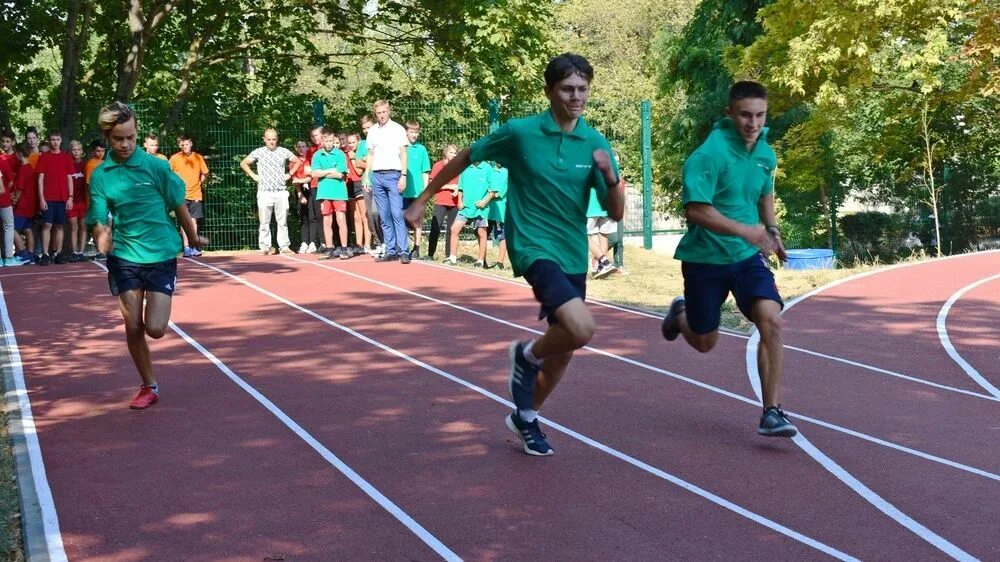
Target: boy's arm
{"x": 42, "y": 204}
{"x": 765, "y": 209}
{"x": 615, "y": 197}
{"x": 415, "y": 213}
{"x": 705, "y": 215}
{"x": 482, "y": 203}
{"x": 245, "y": 165}
{"x": 366, "y": 179}
{"x": 403, "y": 161}
{"x": 69, "y": 202}
{"x": 188, "y": 224}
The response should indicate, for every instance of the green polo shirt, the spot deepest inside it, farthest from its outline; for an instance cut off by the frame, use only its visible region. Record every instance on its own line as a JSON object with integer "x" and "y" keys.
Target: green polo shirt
{"x": 331, "y": 189}
{"x": 362, "y": 152}
{"x": 474, "y": 183}
{"x": 724, "y": 174}
{"x": 498, "y": 185}
{"x": 139, "y": 193}
{"x": 594, "y": 207}
{"x": 418, "y": 163}
{"x": 551, "y": 173}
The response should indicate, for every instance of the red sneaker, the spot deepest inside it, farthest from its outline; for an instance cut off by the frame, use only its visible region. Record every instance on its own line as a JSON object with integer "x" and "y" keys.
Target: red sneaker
{"x": 146, "y": 398}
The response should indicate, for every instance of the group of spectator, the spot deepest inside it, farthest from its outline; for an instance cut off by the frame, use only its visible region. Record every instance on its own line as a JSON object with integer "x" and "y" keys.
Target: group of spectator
{"x": 351, "y": 190}
{"x": 44, "y": 191}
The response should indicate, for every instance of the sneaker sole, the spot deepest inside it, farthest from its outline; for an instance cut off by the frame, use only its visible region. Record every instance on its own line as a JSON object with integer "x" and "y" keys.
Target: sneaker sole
{"x": 787, "y": 431}
{"x": 516, "y": 431}
{"x": 669, "y": 328}
{"x": 605, "y": 273}
{"x": 131, "y": 407}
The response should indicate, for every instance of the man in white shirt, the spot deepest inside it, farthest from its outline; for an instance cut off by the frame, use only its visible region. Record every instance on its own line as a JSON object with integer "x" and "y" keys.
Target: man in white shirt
{"x": 272, "y": 194}
{"x": 385, "y": 176}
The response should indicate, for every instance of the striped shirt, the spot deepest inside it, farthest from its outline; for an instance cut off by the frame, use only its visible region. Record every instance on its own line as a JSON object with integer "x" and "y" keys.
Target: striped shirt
{"x": 271, "y": 166}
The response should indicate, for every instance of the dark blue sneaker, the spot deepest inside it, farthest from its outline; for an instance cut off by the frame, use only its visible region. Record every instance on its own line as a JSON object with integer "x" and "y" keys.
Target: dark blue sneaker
{"x": 522, "y": 377}
{"x": 671, "y": 328}
{"x": 773, "y": 423}
{"x": 531, "y": 436}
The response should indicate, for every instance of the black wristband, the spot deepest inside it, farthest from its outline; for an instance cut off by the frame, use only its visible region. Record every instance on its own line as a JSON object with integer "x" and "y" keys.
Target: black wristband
{"x": 773, "y": 229}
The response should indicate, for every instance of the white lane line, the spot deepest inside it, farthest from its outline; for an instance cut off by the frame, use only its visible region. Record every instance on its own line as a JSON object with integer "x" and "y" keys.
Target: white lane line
{"x": 726, "y": 332}
{"x": 699, "y": 384}
{"x": 942, "y": 331}
{"x": 838, "y": 471}
{"x": 42, "y": 494}
{"x": 359, "y": 481}
{"x": 718, "y": 500}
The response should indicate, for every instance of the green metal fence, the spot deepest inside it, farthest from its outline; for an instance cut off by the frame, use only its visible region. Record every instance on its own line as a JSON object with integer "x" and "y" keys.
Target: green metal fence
{"x": 224, "y": 135}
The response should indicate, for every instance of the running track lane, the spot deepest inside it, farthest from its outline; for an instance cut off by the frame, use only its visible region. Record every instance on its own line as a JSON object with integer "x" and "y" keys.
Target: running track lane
{"x": 206, "y": 474}
{"x": 947, "y": 499}
{"x": 778, "y": 496}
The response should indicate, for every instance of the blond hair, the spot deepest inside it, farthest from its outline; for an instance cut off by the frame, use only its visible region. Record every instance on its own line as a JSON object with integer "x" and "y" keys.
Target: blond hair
{"x": 115, "y": 113}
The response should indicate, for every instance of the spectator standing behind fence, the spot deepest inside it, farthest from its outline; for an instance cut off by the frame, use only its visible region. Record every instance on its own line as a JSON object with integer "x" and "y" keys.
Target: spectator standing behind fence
{"x": 10, "y": 240}
{"x": 360, "y": 164}
{"x": 191, "y": 167}
{"x": 497, "y": 209}
{"x": 55, "y": 198}
{"x": 385, "y": 169}
{"x": 151, "y": 144}
{"x": 272, "y": 190}
{"x": 446, "y": 206}
{"x": 330, "y": 168}
{"x": 301, "y": 181}
{"x": 418, "y": 168}
{"x": 309, "y": 210}
{"x": 34, "y": 149}
{"x": 76, "y": 216}
{"x": 26, "y": 202}
{"x": 8, "y": 154}
{"x": 474, "y": 183}
{"x": 358, "y": 204}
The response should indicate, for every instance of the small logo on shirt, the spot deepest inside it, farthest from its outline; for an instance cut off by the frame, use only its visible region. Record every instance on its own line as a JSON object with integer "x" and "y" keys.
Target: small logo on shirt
{"x": 583, "y": 166}
{"x": 144, "y": 184}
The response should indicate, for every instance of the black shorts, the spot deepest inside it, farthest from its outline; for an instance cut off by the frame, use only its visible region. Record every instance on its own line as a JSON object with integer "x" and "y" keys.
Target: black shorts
{"x": 706, "y": 287}
{"x": 159, "y": 277}
{"x": 354, "y": 190}
{"x": 553, "y": 287}
{"x": 55, "y": 213}
{"x": 195, "y": 208}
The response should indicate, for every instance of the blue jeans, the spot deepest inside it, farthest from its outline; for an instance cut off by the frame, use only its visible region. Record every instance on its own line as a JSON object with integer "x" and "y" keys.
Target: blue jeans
{"x": 388, "y": 199}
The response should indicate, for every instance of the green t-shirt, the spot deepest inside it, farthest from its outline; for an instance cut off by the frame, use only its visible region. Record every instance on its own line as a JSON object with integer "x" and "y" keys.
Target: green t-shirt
{"x": 498, "y": 185}
{"x": 139, "y": 193}
{"x": 362, "y": 152}
{"x": 594, "y": 207}
{"x": 551, "y": 173}
{"x": 330, "y": 188}
{"x": 418, "y": 163}
{"x": 474, "y": 182}
{"x": 724, "y": 174}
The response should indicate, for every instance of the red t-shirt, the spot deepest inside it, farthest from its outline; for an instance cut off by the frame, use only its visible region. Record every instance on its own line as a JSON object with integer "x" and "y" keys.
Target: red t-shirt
{"x": 309, "y": 160}
{"x": 27, "y": 185}
{"x": 352, "y": 173}
{"x": 446, "y": 197}
{"x": 56, "y": 166}
{"x": 12, "y": 160}
{"x": 9, "y": 180}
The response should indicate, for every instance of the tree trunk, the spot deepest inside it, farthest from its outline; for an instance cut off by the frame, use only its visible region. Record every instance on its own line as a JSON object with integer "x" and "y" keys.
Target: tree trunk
{"x": 76, "y": 40}
{"x": 193, "y": 57}
{"x": 141, "y": 29}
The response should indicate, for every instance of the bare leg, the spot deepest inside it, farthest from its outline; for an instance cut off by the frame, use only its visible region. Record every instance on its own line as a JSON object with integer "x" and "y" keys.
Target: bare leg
{"x": 456, "y": 227}
{"x": 74, "y": 234}
{"x": 46, "y": 236}
{"x": 328, "y": 230}
{"x": 502, "y": 254}
{"x": 342, "y": 227}
{"x": 771, "y": 351}
{"x": 57, "y": 238}
{"x": 130, "y": 304}
{"x": 481, "y": 234}
{"x": 573, "y": 329}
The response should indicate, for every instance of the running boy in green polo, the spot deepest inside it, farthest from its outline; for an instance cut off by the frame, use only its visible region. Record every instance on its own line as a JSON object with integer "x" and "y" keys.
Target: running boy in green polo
{"x": 418, "y": 168}
{"x": 728, "y": 199}
{"x": 554, "y": 158}
{"x": 474, "y": 184}
{"x": 498, "y": 211}
{"x": 139, "y": 191}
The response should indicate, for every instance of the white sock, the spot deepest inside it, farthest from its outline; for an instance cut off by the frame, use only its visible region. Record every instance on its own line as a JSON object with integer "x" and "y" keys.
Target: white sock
{"x": 154, "y": 387}
{"x": 531, "y": 356}
{"x": 528, "y": 415}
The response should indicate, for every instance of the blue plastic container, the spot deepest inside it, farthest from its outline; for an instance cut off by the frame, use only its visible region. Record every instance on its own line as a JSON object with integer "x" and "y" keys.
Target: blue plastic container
{"x": 811, "y": 258}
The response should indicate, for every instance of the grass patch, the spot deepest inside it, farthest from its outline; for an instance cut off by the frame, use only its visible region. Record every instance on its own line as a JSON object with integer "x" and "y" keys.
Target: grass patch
{"x": 10, "y": 500}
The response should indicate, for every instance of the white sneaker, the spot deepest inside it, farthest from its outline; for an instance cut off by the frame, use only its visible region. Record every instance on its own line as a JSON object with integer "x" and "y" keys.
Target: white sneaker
{"x": 604, "y": 271}
{"x": 310, "y": 249}
{"x": 451, "y": 260}
{"x": 303, "y": 248}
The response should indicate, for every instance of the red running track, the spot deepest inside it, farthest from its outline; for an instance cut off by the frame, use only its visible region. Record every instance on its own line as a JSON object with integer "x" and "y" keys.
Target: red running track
{"x": 663, "y": 461}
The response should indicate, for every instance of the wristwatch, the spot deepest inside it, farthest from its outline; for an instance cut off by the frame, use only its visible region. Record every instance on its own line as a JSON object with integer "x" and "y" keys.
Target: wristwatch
{"x": 773, "y": 229}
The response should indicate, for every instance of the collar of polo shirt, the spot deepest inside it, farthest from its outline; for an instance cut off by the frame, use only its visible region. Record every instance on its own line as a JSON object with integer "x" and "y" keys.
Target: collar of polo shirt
{"x": 550, "y": 127}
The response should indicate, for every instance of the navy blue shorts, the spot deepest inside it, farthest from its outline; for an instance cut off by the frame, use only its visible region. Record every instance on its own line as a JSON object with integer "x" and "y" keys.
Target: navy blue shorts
{"x": 23, "y": 223}
{"x": 159, "y": 277}
{"x": 496, "y": 227}
{"x": 407, "y": 201}
{"x": 55, "y": 213}
{"x": 554, "y": 288}
{"x": 706, "y": 287}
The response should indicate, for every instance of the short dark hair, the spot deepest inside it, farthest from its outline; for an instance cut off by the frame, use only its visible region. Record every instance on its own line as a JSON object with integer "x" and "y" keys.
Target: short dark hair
{"x": 97, "y": 143}
{"x": 183, "y": 137}
{"x": 747, "y": 89}
{"x": 31, "y": 129}
{"x": 8, "y": 134}
{"x": 326, "y": 132}
{"x": 566, "y": 65}
{"x": 23, "y": 149}
{"x": 366, "y": 118}
{"x": 151, "y": 136}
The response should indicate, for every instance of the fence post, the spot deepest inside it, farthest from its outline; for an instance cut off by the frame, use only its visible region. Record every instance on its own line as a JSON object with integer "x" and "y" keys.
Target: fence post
{"x": 647, "y": 175}
{"x": 319, "y": 114}
{"x": 494, "y": 115}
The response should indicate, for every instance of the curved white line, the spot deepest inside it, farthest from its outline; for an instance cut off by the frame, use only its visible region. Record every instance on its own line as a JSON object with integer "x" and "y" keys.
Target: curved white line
{"x": 829, "y": 464}
{"x": 942, "y": 331}
{"x": 658, "y": 370}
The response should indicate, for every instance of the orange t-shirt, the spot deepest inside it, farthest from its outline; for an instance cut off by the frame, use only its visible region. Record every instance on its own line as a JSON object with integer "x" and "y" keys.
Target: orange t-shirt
{"x": 89, "y": 168}
{"x": 190, "y": 168}
{"x": 33, "y": 159}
